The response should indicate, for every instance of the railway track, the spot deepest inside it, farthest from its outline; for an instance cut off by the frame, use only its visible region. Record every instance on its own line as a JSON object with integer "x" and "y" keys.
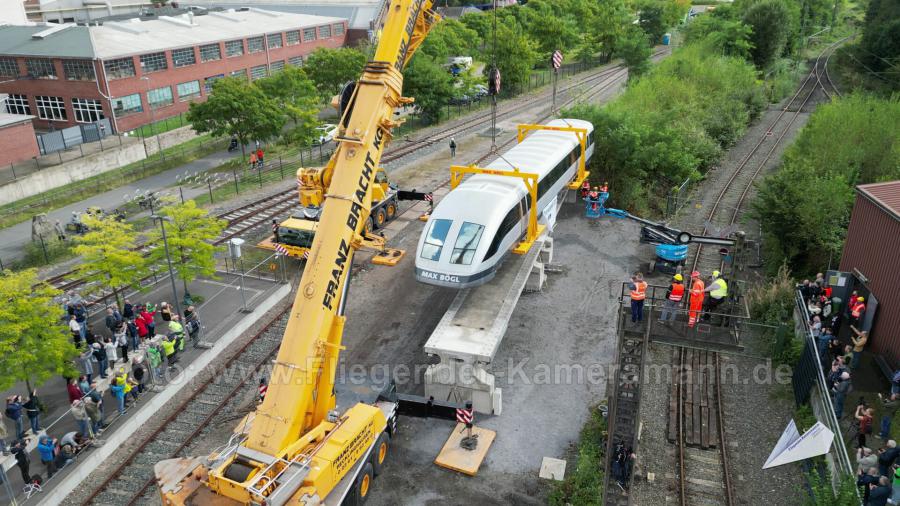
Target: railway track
{"x": 727, "y": 207}
{"x": 131, "y": 482}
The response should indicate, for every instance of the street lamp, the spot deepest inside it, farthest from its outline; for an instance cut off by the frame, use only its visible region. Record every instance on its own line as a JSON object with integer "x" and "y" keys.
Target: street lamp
{"x": 152, "y": 119}
{"x": 162, "y": 225}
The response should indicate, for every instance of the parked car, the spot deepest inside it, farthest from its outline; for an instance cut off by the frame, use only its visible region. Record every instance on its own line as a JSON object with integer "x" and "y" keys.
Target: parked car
{"x": 325, "y": 133}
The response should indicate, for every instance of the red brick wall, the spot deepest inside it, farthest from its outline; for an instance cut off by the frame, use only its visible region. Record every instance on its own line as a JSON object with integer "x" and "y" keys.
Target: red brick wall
{"x": 17, "y": 143}
{"x": 169, "y": 77}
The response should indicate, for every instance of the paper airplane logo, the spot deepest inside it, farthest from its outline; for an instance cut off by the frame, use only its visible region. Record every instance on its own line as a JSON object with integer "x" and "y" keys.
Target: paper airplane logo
{"x": 792, "y": 447}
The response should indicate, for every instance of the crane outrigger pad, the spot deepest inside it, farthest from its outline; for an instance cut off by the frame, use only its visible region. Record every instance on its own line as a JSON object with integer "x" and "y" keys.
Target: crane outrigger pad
{"x": 389, "y": 256}
{"x": 455, "y": 457}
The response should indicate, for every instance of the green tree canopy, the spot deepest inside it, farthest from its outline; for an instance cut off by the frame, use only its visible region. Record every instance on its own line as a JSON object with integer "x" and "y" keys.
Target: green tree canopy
{"x": 108, "y": 257}
{"x": 296, "y": 95}
{"x": 239, "y": 109}
{"x": 429, "y": 83}
{"x": 34, "y": 343}
{"x": 516, "y": 55}
{"x": 771, "y": 25}
{"x": 723, "y": 36}
{"x": 190, "y": 232}
{"x": 330, "y": 69}
{"x": 632, "y": 47}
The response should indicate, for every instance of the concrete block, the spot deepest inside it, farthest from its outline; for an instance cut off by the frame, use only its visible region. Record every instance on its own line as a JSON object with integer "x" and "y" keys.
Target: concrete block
{"x": 537, "y": 278}
{"x": 553, "y": 469}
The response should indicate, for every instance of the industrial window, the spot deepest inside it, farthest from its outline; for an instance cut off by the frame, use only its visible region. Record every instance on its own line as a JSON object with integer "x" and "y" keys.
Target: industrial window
{"x": 160, "y": 97}
{"x": 254, "y": 44}
{"x": 258, "y": 72}
{"x": 466, "y": 242}
{"x": 154, "y": 62}
{"x": 40, "y": 68}
{"x": 309, "y": 34}
{"x": 339, "y": 29}
{"x": 277, "y": 66}
{"x": 9, "y": 67}
{"x": 51, "y": 108}
{"x": 118, "y": 69}
{"x": 434, "y": 241}
{"x": 293, "y": 38}
{"x": 324, "y": 32}
{"x": 188, "y": 90}
{"x": 296, "y": 61}
{"x": 240, "y": 74}
{"x": 208, "y": 85}
{"x": 234, "y": 48}
{"x": 274, "y": 40}
{"x": 129, "y": 104}
{"x": 210, "y": 52}
{"x": 87, "y": 110}
{"x": 183, "y": 57}
{"x": 17, "y": 104}
{"x": 79, "y": 70}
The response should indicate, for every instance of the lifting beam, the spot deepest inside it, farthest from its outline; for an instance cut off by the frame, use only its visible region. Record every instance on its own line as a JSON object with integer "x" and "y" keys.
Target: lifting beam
{"x": 531, "y": 183}
{"x": 581, "y": 133}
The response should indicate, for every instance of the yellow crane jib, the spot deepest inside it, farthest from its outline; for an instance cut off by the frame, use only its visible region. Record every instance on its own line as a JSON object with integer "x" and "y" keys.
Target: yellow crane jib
{"x": 535, "y": 229}
{"x": 297, "y": 449}
{"x": 581, "y": 133}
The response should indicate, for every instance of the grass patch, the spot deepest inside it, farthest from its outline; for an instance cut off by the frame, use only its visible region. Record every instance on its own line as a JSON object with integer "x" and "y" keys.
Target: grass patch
{"x": 584, "y": 484}
{"x": 36, "y": 255}
{"x": 782, "y": 78}
{"x": 161, "y": 126}
{"x": 170, "y": 158}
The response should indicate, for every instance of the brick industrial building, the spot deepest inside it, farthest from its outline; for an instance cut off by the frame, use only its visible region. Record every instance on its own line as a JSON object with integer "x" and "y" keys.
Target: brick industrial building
{"x": 137, "y": 71}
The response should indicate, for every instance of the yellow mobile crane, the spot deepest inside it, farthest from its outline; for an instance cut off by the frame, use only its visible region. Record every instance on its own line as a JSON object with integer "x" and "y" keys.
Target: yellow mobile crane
{"x": 298, "y": 449}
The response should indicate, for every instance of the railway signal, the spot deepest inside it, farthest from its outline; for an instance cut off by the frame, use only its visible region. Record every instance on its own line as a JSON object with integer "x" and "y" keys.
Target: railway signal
{"x": 556, "y": 63}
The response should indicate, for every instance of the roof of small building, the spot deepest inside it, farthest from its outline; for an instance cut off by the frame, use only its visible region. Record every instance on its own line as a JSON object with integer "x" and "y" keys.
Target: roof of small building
{"x": 885, "y": 195}
{"x": 7, "y": 119}
{"x": 115, "y": 39}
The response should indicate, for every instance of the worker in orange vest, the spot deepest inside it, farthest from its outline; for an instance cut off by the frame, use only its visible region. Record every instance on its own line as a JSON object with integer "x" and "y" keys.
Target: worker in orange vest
{"x": 594, "y": 199}
{"x": 696, "y": 302}
{"x": 638, "y": 289}
{"x": 673, "y": 299}
{"x": 857, "y": 310}
{"x": 585, "y": 188}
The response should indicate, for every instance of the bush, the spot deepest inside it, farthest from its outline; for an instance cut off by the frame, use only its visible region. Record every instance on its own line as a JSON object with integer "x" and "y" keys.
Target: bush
{"x": 804, "y": 208}
{"x": 671, "y": 124}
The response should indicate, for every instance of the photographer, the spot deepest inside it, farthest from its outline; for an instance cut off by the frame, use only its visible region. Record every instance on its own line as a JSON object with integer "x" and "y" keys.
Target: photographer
{"x": 864, "y": 418}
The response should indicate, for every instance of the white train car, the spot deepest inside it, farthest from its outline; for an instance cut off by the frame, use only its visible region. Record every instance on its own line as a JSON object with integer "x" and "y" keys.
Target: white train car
{"x": 473, "y": 228}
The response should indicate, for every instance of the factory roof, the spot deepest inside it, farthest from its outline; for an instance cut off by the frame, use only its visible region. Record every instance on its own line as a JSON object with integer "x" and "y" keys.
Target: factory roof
{"x": 116, "y": 39}
{"x": 885, "y": 195}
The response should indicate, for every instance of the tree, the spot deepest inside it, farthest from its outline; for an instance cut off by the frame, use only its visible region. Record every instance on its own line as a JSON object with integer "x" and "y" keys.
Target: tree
{"x": 607, "y": 27}
{"x": 651, "y": 19}
{"x": 429, "y": 83}
{"x": 724, "y": 36}
{"x": 516, "y": 55}
{"x": 35, "y": 345}
{"x": 450, "y": 38}
{"x": 770, "y": 21}
{"x": 296, "y": 95}
{"x": 238, "y": 109}
{"x": 108, "y": 257}
{"x": 632, "y": 47}
{"x": 190, "y": 233}
{"x": 330, "y": 69}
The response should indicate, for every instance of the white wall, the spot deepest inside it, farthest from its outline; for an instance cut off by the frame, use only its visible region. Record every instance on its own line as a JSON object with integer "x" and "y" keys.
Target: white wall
{"x": 13, "y": 12}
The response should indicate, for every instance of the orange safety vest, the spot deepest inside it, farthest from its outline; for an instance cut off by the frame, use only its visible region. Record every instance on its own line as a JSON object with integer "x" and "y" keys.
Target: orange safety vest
{"x": 639, "y": 288}
{"x": 858, "y": 308}
{"x": 604, "y": 189}
{"x": 677, "y": 292}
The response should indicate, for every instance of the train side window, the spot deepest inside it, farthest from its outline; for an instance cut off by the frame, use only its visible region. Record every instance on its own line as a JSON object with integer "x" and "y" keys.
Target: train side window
{"x": 466, "y": 242}
{"x": 434, "y": 241}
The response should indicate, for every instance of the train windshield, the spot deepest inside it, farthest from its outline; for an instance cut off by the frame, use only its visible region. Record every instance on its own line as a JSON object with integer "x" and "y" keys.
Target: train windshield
{"x": 466, "y": 242}
{"x": 434, "y": 241}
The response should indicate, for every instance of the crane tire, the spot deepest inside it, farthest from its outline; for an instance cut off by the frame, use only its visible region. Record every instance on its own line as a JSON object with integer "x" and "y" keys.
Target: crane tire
{"x": 363, "y": 485}
{"x": 380, "y": 217}
{"x": 370, "y": 226}
{"x": 379, "y": 452}
{"x": 391, "y": 210}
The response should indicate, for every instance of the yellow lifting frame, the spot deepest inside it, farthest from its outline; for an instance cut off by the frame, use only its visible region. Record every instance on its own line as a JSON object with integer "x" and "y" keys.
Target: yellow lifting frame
{"x": 581, "y": 133}
{"x": 531, "y": 183}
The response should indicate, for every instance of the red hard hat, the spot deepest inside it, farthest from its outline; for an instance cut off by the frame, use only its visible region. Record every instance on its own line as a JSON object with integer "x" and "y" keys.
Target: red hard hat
{"x": 695, "y": 274}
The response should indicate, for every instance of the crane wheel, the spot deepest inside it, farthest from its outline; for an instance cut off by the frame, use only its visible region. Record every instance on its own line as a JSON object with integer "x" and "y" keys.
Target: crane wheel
{"x": 379, "y": 454}
{"x": 391, "y": 210}
{"x": 363, "y": 484}
{"x": 380, "y": 217}
{"x": 369, "y": 225}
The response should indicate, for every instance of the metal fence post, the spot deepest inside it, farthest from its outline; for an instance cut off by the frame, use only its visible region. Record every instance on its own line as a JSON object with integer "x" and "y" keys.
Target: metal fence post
{"x": 280, "y": 167}
{"x": 237, "y": 190}
{"x": 209, "y": 184}
{"x": 301, "y": 156}
{"x": 13, "y": 169}
{"x": 259, "y": 173}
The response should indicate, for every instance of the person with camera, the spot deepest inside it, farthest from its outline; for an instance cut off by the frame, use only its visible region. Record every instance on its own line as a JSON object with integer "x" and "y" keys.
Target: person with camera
{"x": 864, "y": 415}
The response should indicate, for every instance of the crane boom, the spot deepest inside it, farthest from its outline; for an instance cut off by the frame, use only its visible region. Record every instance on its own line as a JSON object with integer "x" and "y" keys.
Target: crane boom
{"x": 296, "y": 447}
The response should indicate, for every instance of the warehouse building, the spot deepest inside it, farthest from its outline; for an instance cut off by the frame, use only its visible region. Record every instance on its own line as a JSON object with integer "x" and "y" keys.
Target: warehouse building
{"x": 136, "y": 71}
{"x": 871, "y": 254}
